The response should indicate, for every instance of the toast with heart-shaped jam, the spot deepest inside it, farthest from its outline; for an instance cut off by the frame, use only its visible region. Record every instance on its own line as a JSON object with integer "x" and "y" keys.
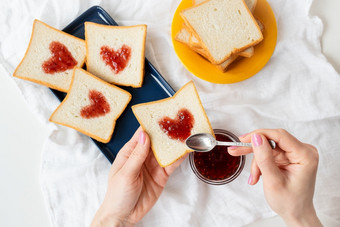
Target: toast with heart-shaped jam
{"x": 91, "y": 106}
{"x": 51, "y": 57}
{"x": 116, "y": 53}
{"x": 169, "y": 122}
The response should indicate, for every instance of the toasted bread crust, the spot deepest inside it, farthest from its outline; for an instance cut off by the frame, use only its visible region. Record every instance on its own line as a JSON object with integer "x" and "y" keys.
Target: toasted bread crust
{"x": 142, "y": 55}
{"x": 165, "y": 100}
{"x": 28, "y": 49}
{"x": 103, "y": 140}
{"x": 235, "y": 50}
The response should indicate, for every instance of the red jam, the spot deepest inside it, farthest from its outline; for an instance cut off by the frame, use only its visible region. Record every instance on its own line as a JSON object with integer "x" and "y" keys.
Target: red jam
{"x": 98, "y": 107}
{"x": 217, "y": 164}
{"x": 61, "y": 59}
{"x": 180, "y": 127}
{"x": 117, "y": 60}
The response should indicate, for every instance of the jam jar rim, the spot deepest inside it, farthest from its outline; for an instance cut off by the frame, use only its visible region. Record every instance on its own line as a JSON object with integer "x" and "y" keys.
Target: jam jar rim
{"x": 226, "y": 180}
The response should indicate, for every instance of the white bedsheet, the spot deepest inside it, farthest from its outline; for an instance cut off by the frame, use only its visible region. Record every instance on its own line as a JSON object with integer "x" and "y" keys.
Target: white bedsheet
{"x": 297, "y": 90}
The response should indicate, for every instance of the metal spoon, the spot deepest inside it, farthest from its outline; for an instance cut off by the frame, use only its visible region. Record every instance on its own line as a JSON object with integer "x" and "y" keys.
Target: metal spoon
{"x": 204, "y": 142}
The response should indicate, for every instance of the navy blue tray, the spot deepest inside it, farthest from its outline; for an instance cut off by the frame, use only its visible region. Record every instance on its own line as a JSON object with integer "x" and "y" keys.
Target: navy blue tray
{"x": 154, "y": 86}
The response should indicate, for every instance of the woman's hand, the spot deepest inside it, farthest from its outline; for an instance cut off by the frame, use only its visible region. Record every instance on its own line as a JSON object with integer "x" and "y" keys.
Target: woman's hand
{"x": 288, "y": 173}
{"x": 135, "y": 183}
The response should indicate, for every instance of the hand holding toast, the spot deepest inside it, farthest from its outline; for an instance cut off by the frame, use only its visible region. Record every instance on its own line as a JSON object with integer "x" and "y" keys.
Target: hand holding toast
{"x": 135, "y": 183}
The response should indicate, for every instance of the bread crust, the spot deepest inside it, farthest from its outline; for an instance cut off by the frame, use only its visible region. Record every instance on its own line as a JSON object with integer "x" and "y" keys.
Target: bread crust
{"x": 254, "y": 6}
{"x": 119, "y": 27}
{"x": 235, "y": 50}
{"x": 165, "y": 100}
{"x": 28, "y": 49}
{"x": 103, "y": 140}
{"x": 224, "y": 67}
{"x": 247, "y": 54}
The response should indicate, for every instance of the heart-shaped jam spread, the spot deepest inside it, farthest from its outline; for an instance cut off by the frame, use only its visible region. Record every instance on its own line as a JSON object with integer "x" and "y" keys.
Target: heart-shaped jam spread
{"x": 61, "y": 59}
{"x": 116, "y": 59}
{"x": 180, "y": 127}
{"x": 98, "y": 106}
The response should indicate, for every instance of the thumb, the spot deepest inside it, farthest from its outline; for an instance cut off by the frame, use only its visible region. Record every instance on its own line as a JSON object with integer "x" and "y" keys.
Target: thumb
{"x": 264, "y": 158}
{"x": 137, "y": 158}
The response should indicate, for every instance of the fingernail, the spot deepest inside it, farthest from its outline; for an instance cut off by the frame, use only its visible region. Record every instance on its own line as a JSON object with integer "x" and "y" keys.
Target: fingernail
{"x": 257, "y": 140}
{"x": 232, "y": 147}
{"x": 250, "y": 179}
{"x": 244, "y": 135}
{"x": 141, "y": 138}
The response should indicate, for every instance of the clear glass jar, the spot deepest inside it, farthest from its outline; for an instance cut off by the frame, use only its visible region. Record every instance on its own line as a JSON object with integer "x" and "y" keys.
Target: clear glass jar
{"x": 217, "y": 167}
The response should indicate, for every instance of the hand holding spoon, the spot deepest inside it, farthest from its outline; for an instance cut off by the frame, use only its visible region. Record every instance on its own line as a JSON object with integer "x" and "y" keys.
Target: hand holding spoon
{"x": 204, "y": 142}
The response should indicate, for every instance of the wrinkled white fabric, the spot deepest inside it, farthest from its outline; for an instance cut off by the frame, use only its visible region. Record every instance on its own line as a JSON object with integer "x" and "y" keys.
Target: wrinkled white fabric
{"x": 297, "y": 90}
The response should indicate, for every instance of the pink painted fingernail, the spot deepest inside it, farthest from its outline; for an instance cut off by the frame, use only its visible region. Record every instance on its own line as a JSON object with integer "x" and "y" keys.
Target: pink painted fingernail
{"x": 250, "y": 179}
{"x": 141, "y": 138}
{"x": 257, "y": 140}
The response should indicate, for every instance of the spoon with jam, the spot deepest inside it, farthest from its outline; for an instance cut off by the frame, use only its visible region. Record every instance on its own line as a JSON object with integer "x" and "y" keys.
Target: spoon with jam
{"x": 205, "y": 142}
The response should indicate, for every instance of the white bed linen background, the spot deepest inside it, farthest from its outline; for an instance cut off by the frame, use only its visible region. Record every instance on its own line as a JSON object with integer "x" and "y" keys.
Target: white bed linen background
{"x": 297, "y": 90}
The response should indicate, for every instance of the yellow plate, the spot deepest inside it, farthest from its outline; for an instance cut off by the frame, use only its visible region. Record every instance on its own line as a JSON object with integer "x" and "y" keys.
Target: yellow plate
{"x": 239, "y": 70}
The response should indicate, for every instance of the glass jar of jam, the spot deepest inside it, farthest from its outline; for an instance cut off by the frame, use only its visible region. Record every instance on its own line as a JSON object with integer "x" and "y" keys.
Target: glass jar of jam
{"x": 217, "y": 166}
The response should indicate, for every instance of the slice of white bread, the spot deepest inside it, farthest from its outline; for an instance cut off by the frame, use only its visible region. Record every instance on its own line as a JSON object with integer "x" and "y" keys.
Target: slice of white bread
{"x": 224, "y": 66}
{"x": 194, "y": 42}
{"x": 39, "y": 63}
{"x": 122, "y": 47}
{"x": 91, "y": 106}
{"x": 184, "y": 36}
{"x": 219, "y": 36}
{"x": 156, "y": 118}
{"x": 249, "y": 52}
{"x": 250, "y": 3}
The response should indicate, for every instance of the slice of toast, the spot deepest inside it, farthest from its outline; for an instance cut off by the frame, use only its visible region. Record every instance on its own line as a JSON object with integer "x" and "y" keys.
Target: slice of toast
{"x": 183, "y": 36}
{"x": 194, "y": 41}
{"x": 224, "y": 66}
{"x": 91, "y": 106}
{"x": 250, "y": 3}
{"x": 51, "y": 57}
{"x": 190, "y": 39}
{"x": 220, "y": 37}
{"x": 247, "y": 53}
{"x": 170, "y": 121}
{"x": 116, "y": 53}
